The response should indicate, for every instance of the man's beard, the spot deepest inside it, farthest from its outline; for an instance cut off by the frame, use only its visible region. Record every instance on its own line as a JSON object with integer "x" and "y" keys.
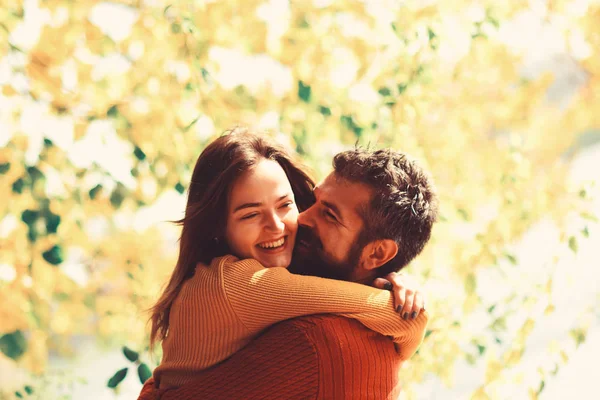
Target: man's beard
{"x": 309, "y": 258}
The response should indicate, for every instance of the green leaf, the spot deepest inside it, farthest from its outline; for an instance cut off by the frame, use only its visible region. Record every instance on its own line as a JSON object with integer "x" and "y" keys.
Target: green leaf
{"x": 349, "y": 123}
{"x": 491, "y": 309}
{"x": 542, "y": 385}
{"x": 30, "y": 216}
{"x": 32, "y": 233}
{"x": 589, "y": 216}
{"x": 384, "y": 91}
{"x": 304, "y": 91}
{"x": 144, "y": 372}
{"x": 189, "y": 126}
{"x": 470, "y": 284}
{"x": 54, "y": 255}
{"x": 139, "y": 154}
{"x": 431, "y": 34}
{"x": 112, "y": 112}
{"x": 326, "y": 111}
{"x": 117, "y": 196}
{"x": 52, "y": 222}
{"x": 463, "y": 213}
{"x": 18, "y": 394}
{"x": 18, "y": 186}
{"x": 511, "y": 258}
{"x": 573, "y": 244}
{"x": 94, "y": 191}
{"x": 13, "y": 345}
{"x": 179, "y": 187}
{"x": 117, "y": 378}
{"x": 4, "y": 167}
{"x": 28, "y": 389}
{"x": 480, "y": 349}
{"x": 585, "y": 232}
{"x": 402, "y": 87}
{"x": 578, "y": 335}
{"x": 131, "y": 355}
{"x": 35, "y": 173}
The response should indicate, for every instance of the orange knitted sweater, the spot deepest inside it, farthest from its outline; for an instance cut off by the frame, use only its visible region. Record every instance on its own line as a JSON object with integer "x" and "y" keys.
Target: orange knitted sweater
{"x": 228, "y": 303}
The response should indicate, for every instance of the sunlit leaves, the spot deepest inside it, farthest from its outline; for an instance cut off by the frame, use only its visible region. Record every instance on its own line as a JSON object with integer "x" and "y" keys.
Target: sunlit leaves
{"x": 435, "y": 81}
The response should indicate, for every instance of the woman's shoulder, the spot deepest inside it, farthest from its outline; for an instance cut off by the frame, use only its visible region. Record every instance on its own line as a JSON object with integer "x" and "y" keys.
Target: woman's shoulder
{"x": 230, "y": 261}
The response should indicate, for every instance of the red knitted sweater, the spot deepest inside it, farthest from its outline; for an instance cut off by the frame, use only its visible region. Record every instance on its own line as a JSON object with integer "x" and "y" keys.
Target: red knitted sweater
{"x": 313, "y": 357}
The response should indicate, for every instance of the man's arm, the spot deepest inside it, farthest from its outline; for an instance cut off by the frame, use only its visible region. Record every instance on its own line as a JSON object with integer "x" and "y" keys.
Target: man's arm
{"x": 314, "y": 357}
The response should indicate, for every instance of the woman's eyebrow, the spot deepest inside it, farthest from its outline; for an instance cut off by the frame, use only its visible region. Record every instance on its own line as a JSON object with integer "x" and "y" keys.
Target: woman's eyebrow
{"x": 250, "y": 205}
{"x": 246, "y": 205}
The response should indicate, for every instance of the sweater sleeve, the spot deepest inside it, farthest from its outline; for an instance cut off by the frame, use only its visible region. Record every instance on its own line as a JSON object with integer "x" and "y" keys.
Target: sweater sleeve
{"x": 261, "y": 297}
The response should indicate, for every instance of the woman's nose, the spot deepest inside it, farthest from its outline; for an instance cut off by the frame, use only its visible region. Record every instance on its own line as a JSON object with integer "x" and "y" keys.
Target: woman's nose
{"x": 275, "y": 223}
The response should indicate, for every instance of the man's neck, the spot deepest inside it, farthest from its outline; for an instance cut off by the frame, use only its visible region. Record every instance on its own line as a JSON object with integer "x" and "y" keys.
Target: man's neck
{"x": 363, "y": 277}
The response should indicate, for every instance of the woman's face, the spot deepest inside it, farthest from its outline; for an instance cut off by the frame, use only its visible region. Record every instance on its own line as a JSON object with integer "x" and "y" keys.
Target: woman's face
{"x": 262, "y": 217}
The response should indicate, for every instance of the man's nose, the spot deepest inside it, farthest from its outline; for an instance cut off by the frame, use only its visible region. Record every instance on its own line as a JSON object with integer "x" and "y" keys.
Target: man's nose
{"x": 306, "y": 217}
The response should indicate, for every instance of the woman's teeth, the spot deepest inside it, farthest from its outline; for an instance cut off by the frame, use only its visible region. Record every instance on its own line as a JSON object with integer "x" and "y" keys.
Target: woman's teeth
{"x": 272, "y": 245}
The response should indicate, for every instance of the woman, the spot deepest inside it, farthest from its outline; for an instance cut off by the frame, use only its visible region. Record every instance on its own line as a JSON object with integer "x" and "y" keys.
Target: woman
{"x": 230, "y": 281}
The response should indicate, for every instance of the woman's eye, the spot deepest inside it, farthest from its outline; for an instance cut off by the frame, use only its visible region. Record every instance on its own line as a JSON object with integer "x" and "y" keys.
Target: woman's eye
{"x": 287, "y": 205}
{"x": 249, "y": 216}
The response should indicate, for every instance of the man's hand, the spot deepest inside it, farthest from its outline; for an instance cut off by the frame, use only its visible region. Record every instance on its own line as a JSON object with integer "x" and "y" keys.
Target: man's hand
{"x": 408, "y": 298}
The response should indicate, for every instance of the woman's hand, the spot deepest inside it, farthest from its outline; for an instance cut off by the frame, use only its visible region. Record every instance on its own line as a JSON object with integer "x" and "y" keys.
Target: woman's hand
{"x": 408, "y": 298}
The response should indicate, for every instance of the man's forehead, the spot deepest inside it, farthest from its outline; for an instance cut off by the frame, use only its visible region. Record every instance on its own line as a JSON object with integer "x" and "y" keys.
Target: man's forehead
{"x": 344, "y": 193}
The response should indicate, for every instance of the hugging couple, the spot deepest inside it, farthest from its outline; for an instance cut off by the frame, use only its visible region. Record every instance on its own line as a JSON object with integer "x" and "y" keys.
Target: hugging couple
{"x": 284, "y": 289}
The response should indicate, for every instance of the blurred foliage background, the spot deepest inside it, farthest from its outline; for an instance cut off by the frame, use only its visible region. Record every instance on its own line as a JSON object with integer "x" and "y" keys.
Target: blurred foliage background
{"x": 105, "y": 106}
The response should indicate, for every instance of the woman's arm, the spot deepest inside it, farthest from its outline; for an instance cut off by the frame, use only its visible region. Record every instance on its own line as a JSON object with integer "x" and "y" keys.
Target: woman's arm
{"x": 262, "y": 296}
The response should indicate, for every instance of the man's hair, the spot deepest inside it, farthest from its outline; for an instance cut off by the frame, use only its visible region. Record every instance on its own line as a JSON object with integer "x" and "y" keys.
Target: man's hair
{"x": 404, "y": 205}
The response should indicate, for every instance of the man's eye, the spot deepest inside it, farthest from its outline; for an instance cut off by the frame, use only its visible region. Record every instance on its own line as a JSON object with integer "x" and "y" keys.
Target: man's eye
{"x": 249, "y": 216}
{"x": 329, "y": 215}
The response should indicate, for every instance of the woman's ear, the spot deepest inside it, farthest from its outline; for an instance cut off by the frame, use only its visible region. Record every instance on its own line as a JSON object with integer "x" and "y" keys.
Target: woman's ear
{"x": 378, "y": 252}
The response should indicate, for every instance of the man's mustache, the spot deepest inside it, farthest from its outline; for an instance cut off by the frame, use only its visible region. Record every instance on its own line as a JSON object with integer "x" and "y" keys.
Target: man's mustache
{"x": 307, "y": 237}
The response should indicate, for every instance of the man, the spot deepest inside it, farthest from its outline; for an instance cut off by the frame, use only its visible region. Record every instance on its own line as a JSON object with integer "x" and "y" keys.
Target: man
{"x": 372, "y": 215}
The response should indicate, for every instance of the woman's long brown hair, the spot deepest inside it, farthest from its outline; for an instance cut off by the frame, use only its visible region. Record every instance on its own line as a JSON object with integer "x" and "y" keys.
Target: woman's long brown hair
{"x": 217, "y": 168}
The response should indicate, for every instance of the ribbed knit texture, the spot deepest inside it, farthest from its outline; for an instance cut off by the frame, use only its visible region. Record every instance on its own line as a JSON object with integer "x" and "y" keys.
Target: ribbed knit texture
{"x": 228, "y": 303}
{"x": 314, "y": 357}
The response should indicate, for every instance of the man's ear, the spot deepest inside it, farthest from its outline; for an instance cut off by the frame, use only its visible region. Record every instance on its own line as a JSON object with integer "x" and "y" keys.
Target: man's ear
{"x": 377, "y": 253}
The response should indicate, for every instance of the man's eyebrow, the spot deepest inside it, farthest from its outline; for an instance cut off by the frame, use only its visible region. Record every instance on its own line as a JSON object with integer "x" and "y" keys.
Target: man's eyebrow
{"x": 250, "y": 205}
